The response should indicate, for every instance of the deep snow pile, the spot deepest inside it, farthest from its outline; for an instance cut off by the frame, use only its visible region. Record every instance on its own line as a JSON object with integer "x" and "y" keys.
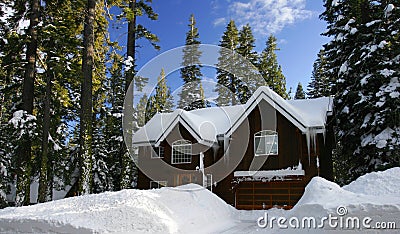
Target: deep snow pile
{"x": 377, "y": 183}
{"x": 191, "y": 208}
{"x": 166, "y": 210}
{"x": 375, "y": 195}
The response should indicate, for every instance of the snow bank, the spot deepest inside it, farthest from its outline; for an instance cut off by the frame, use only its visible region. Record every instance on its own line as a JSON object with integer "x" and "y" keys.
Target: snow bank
{"x": 375, "y": 195}
{"x": 167, "y": 210}
{"x": 190, "y": 208}
{"x": 377, "y": 183}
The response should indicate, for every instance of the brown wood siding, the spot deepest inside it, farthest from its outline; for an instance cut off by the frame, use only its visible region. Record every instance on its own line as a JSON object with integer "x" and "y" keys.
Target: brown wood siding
{"x": 259, "y": 195}
{"x": 292, "y": 148}
{"x": 289, "y": 150}
{"x": 178, "y": 133}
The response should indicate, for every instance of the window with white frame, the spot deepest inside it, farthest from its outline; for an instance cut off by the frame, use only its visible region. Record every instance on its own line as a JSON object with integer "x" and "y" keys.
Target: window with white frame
{"x": 157, "y": 152}
{"x": 181, "y": 152}
{"x": 266, "y": 143}
{"x": 157, "y": 184}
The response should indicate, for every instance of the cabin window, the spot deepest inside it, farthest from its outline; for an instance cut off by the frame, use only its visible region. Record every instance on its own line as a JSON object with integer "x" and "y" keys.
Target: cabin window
{"x": 181, "y": 152}
{"x": 157, "y": 184}
{"x": 265, "y": 143}
{"x": 158, "y": 152}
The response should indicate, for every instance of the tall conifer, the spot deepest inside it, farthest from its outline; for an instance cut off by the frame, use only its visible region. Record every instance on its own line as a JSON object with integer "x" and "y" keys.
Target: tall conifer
{"x": 270, "y": 70}
{"x": 190, "y": 97}
{"x": 227, "y": 82}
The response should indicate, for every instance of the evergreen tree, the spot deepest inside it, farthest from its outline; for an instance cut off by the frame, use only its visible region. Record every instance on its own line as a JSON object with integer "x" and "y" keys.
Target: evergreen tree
{"x": 362, "y": 61}
{"x": 227, "y": 82}
{"x": 85, "y": 154}
{"x": 190, "y": 97}
{"x": 270, "y": 70}
{"x": 10, "y": 90}
{"x": 290, "y": 96}
{"x": 60, "y": 43}
{"x": 24, "y": 152}
{"x": 319, "y": 85}
{"x": 102, "y": 175}
{"x": 163, "y": 98}
{"x": 162, "y": 101}
{"x": 247, "y": 83}
{"x": 131, "y": 10}
{"x": 141, "y": 111}
{"x": 5, "y": 166}
{"x": 300, "y": 94}
{"x": 57, "y": 59}
{"x": 113, "y": 130}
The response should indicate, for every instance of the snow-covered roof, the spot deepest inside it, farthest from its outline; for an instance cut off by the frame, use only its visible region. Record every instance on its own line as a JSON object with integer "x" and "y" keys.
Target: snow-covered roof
{"x": 205, "y": 124}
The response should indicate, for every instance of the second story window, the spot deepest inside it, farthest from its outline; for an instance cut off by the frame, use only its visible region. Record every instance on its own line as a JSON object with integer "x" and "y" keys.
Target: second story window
{"x": 181, "y": 152}
{"x": 157, "y": 152}
{"x": 266, "y": 143}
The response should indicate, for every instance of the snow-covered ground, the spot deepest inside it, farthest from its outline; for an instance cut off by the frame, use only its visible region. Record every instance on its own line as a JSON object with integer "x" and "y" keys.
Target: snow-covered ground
{"x": 374, "y": 198}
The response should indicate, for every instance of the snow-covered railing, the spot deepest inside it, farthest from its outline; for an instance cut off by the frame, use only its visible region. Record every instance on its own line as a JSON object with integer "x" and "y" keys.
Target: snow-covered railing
{"x": 270, "y": 173}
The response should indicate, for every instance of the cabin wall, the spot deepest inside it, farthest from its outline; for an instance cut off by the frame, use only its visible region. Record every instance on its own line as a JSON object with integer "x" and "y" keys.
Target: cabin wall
{"x": 292, "y": 148}
{"x": 289, "y": 147}
{"x": 170, "y": 174}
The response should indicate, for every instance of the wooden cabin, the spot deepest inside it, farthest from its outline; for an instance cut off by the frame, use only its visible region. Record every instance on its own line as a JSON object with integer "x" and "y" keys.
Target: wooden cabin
{"x": 257, "y": 155}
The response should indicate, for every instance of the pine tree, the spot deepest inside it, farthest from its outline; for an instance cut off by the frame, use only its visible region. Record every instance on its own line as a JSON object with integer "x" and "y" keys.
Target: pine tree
{"x": 246, "y": 84}
{"x": 131, "y": 10}
{"x": 5, "y": 166}
{"x": 300, "y": 94}
{"x": 60, "y": 43}
{"x": 141, "y": 110}
{"x": 362, "y": 61}
{"x": 57, "y": 58}
{"x": 190, "y": 97}
{"x": 270, "y": 70}
{"x": 163, "y": 97}
{"x": 102, "y": 175}
{"x": 319, "y": 85}
{"x": 113, "y": 129}
{"x": 290, "y": 95}
{"x": 162, "y": 101}
{"x": 24, "y": 153}
{"x": 85, "y": 154}
{"x": 227, "y": 82}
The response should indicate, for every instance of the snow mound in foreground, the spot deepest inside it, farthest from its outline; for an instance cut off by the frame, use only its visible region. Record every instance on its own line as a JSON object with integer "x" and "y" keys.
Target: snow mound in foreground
{"x": 377, "y": 183}
{"x": 378, "y": 188}
{"x": 370, "y": 195}
{"x": 167, "y": 210}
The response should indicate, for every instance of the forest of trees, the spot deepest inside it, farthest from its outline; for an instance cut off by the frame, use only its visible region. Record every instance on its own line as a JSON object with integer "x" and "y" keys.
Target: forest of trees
{"x": 63, "y": 83}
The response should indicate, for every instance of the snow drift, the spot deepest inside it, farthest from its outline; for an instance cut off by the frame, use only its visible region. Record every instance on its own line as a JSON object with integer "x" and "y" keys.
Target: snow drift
{"x": 191, "y": 208}
{"x": 167, "y": 210}
{"x": 375, "y": 195}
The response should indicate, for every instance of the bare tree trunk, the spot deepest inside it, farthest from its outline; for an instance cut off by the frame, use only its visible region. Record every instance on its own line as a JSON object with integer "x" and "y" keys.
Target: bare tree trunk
{"x": 85, "y": 159}
{"x": 131, "y": 50}
{"x": 43, "y": 179}
{"x": 130, "y": 76}
{"x": 25, "y": 153}
{"x": 131, "y": 47}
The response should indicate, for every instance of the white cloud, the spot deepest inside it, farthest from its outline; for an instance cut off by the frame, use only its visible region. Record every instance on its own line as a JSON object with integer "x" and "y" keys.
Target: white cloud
{"x": 219, "y": 21}
{"x": 268, "y": 16}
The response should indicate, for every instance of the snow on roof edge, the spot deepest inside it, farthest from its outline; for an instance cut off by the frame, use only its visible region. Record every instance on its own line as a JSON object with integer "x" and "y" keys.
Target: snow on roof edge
{"x": 158, "y": 128}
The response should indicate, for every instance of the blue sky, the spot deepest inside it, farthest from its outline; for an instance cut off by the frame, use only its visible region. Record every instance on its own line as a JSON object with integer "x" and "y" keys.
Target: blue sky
{"x": 295, "y": 23}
